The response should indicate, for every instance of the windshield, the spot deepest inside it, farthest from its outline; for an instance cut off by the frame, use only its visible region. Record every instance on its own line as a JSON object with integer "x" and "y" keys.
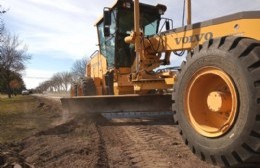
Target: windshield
{"x": 107, "y": 44}
{"x": 117, "y": 52}
{"x": 149, "y": 23}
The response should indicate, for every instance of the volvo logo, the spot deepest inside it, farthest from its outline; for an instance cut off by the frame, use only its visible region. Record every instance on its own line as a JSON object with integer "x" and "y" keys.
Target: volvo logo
{"x": 194, "y": 38}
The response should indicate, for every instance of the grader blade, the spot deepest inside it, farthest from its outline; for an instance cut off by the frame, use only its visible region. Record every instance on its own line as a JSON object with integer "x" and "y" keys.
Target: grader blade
{"x": 117, "y": 104}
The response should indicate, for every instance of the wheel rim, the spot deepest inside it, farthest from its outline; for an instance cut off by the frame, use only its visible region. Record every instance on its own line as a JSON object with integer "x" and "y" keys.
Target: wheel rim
{"x": 211, "y": 102}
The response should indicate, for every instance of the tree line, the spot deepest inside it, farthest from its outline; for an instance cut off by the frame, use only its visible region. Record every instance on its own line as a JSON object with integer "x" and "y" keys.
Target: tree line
{"x": 13, "y": 56}
{"x": 61, "y": 81}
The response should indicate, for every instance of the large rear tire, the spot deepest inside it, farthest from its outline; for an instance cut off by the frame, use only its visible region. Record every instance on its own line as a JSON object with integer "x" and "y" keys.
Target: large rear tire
{"x": 74, "y": 89}
{"x": 216, "y": 101}
{"x": 88, "y": 87}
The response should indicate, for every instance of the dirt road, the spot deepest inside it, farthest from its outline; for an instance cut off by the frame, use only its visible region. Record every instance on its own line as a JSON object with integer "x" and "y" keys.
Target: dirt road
{"x": 145, "y": 143}
{"x": 94, "y": 141}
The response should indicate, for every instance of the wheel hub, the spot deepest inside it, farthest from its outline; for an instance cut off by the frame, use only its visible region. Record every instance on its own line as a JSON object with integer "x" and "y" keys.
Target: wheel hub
{"x": 211, "y": 102}
{"x": 219, "y": 101}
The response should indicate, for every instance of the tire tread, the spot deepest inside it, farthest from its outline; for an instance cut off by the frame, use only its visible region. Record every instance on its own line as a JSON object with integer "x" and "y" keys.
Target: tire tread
{"x": 254, "y": 66}
{"x": 88, "y": 87}
{"x": 213, "y": 160}
{"x": 255, "y": 134}
{"x": 237, "y": 157}
{"x": 225, "y": 161}
{"x": 247, "y": 51}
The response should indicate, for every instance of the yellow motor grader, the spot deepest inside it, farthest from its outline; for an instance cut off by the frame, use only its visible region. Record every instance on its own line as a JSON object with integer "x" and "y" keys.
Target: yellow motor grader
{"x": 214, "y": 95}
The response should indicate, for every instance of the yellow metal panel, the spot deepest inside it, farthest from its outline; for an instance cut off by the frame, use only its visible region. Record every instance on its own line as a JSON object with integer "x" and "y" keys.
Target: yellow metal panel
{"x": 153, "y": 84}
{"x": 88, "y": 70}
{"x": 122, "y": 77}
{"x": 189, "y": 39}
{"x": 98, "y": 84}
{"x": 170, "y": 81}
{"x": 96, "y": 69}
{"x": 121, "y": 90}
{"x": 123, "y": 80}
{"x": 98, "y": 66}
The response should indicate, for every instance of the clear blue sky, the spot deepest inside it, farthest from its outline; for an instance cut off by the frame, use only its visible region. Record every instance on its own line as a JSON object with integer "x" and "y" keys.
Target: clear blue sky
{"x": 58, "y": 32}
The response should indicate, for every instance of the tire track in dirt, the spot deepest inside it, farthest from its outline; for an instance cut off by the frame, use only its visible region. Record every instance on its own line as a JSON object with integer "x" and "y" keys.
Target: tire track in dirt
{"x": 142, "y": 144}
{"x": 166, "y": 139}
{"x": 102, "y": 153}
{"x": 143, "y": 151}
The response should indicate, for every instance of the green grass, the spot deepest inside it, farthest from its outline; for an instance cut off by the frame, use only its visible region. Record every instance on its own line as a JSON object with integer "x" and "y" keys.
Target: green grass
{"x": 16, "y": 104}
{"x": 21, "y": 116}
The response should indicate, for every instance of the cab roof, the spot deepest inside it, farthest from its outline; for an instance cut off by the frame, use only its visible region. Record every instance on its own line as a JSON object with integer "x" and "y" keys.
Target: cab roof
{"x": 121, "y": 2}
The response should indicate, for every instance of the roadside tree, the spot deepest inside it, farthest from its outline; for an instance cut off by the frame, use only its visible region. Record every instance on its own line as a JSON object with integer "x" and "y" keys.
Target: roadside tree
{"x": 66, "y": 78}
{"x": 13, "y": 56}
{"x": 79, "y": 68}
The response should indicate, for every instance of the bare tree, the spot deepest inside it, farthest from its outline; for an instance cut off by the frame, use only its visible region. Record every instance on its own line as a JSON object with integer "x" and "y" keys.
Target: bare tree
{"x": 66, "y": 79}
{"x": 12, "y": 59}
{"x": 43, "y": 86}
{"x": 56, "y": 82}
{"x": 59, "y": 82}
{"x": 2, "y": 26}
{"x": 62, "y": 80}
{"x": 79, "y": 68}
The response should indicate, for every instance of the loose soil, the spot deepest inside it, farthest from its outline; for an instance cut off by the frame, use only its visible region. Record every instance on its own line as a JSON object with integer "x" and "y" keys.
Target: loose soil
{"x": 35, "y": 133}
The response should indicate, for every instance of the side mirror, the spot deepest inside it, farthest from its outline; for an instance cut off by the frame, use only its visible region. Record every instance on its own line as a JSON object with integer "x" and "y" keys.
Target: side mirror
{"x": 107, "y": 21}
{"x": 167, "y": 24}
{"x": 106, "y": 31}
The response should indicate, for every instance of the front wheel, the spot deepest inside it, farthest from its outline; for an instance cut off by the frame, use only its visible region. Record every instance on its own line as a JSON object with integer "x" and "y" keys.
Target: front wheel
{"x": 88, "y": 87}
{"x": 74, "y": 90}
{"x": 216, "y": 101}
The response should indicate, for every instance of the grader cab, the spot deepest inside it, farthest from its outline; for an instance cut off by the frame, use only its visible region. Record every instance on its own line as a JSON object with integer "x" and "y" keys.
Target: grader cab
{"x": 111, "y": 66}
{"x": 108, "y": 73}
{"x": 214, "y": 96}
